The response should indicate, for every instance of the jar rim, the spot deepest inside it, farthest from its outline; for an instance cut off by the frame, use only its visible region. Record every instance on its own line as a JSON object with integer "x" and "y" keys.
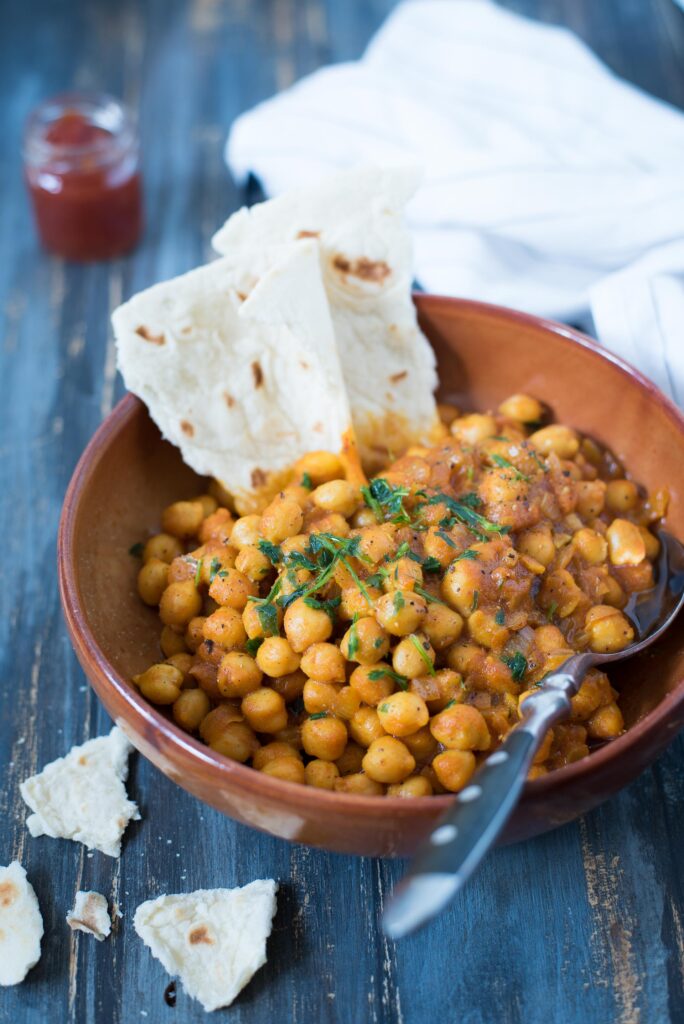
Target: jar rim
{"x": 100, "y": 108}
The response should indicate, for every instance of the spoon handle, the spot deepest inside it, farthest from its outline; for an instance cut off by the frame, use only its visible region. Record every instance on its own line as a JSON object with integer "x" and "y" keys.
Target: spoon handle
{"x": 479, "y": 812}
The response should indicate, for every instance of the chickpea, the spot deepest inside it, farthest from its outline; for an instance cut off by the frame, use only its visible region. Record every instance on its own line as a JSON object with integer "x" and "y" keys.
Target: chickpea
{"x": 606, "y": 723}
{"x": 305, "y": 625}
{"x": 365, "y": 726}
{"x": 465, "y": 657}
{"x": 354, "y": 603}
{"x": 401, "y": 612}
{"x": 461, "y": 727}
{"x": 194, "y": 633}
{"x": 346, "y": 703}
{"x": 502, "y": 486}
{"x": 590, "y": 546}
{"x": 363, "y": 517}
{"x": 473, "y": 428}
{"x": 232, "y": 739}
{"x": 614, "y": 594}
{"x": 183, "y": 662}
{"x": 282, "y": 518}
{"x": 190, "y": 708}
{"x": 537, "y": 542}
{"x": 407, "y": 658}
{"x": 651, "y": 543}
{"x": 486, "y": 631}
{"x": 462, "y": 580}
{"x": 403, "y": 713}
{"x": 258, "y": 623}
{"x": 446, "y": 686}
{"x": 422, "y": 744}
{"x": 388, "y": 760}
{"x": 171, "y": 642}
{"x": 275, "y": 657}
{"x": 414, "y": 786}
{"x": 217, "y": 526}
{"x": 454, "y": 769}
{"x": 272, "y": 751}
{"x": 549, "y": 639}
{"x": 625, "y": 543}
{"x": 591, "y": 497}
{"x": 179, "y": 603}
{"x": 253, "y": 563}
{"x": 560, "y": 590}
{"x": 609, "y": 630}
{"x": 372, "y": 691}
{"x": 560, "y": 440}
{"x": 621, "y": 495}
{"x": 232, "y": 588}
{"x": 238, "y": 675}
{"x": 288, "y": 769}
{"x": 320, "y": 467}
{"x": 292, "y": 579}
{"x": 522, "y": 408}
{"x": 224, "y": 627}
{"x": 163, "y": 547}
{"x": 360, "y": 784}
{"x": 330, "y": 522}
{"x": 447, "y": 412}
{"x": 592, "y": 694}
{"x": 264, "y": 710}
{"x": 319, "y": 696}
{"x": 183, "y": 518}
{"x": 245, "y": 532}
{"x": 352, "y": 756}
{"x": 290, "y": 734}
{"x": 377, "y": 542}
{"x": 368, "y": 640}
{"x": 404, "y": 576}
{"x": 324, "y": 738}
{"x": 160, "y": 684}
{"x": 321, "y": 774}
{"x": 205, "y": 674}
{"x": 152, "y": 580}
{"x": 209, "y": 504}
{"x": 337, "y": 496}
{"x": 324, "y": 662}
{"x": 441, "y": 625}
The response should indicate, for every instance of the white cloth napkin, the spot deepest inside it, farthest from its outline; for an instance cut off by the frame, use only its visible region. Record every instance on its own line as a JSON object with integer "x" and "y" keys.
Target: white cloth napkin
{"x": 550, "y": 185}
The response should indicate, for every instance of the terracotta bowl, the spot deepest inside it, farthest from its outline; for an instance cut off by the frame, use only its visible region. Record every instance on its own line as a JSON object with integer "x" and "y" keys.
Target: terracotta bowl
{"x": 128, "y": 474}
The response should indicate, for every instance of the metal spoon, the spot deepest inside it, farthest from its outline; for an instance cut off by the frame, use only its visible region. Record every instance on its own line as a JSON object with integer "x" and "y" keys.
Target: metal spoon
{"x": 468, "y": 829}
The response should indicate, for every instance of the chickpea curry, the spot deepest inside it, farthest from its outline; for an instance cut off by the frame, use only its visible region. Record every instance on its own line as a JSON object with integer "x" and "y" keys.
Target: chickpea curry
{"x": 380, "y": 639}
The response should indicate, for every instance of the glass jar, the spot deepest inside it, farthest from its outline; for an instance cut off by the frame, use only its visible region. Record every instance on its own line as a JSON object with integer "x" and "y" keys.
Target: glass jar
{"x": 81, "y": 161}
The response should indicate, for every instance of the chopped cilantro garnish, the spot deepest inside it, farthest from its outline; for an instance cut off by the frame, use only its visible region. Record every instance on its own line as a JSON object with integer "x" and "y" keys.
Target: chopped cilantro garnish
{"x": 378, "y": 576}
{"x": 500, "y": 617}
{"x": 266, "y": 609}
{"x": 470, "y": 473}
{"x": 431, "y": 564}
{"x": 214, "y": 567}
{"x": 398, "y": 600}
{"x": 386, "y": 501}
{"x": 329, "y": 607}
{"x": 254, "y": 644}
{"x": 384, "y": 707}
{"x": 300, "y": 561}
{"x": 318, "y": 714}
{"x": 418, "y": 644}
{"x": 450, "y": 704}
{"x": 136, "y": 549}
{"x": 503, "y": 463}
{"x": 272, "y": 551}
{"x": 463, "y": 509}
{"x": 476, "y": 600}
{"x": 469, "y": 553}
{"x": 198, "y": 572}
{"x": 377, "y": 673}
{"x": 446, "y": 538}
{"x": 539, "y": 462}
{"x": 403, "y": 551}
{"x": 553, "y": 608}
{"x": 306, "y": 481}
{"x": 427, "y": 595}
{"x": 517, "y": 663}
{"x": 353, "y": 645}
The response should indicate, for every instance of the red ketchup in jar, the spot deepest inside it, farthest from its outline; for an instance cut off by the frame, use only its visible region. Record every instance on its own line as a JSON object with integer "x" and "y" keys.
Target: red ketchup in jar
{"x": 81, "y": 161}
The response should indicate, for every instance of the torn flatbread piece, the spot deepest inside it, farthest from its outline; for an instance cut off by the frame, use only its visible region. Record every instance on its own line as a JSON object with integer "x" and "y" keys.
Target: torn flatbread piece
{"x": 82, "y": 796}
{"x": 213, "y": 939}
{"x": 21, "y": 925}
{"x": 237, "y": 364}
{"x": 356, "y": 218}
{"x": 90, "y": 914}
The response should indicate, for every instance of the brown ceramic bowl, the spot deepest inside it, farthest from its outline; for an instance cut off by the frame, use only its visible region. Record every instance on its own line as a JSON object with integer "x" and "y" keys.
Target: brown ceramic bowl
{"x": 128, "y": 474}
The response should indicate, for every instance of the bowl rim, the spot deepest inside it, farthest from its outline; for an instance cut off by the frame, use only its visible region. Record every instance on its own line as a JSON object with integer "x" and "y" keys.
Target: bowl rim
{"x": 250, "y": 780}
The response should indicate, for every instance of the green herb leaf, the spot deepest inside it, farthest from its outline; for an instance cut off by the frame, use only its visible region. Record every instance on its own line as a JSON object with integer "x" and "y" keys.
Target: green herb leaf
{"x": 517, "y": 663}
{"x": 427, "y": 595}
{"x": 503, "y": 463}
{"x": 376, "y": 579}
{"x": 476, "y": 600}
{"x": 214, "y": 567}
{"x": 386, "y": 501}
{"x": 272, "y": 551}
{"x": 329, "y": 607}
{"x": 198, "y": 572}
{"x": 417, "y": 643}
{"x": 470, "y": 473}
{"x": 318, "y": 714}
{"x": 500, "y": 617}
{"x": 450, "y": 704}
{"x": 306, "y": 481}
{"x": 254, "y": 644}
{"x": 136, "y": 549}
{"x": 377, "y": 673}
{"x": 353, "y": 645}
{"x": 431, "y": 564}
{"x": 553, "y": 608}
{"x": 463, "y": 510}
{"x": 469, "y": 553}
{"x": 446, "y": 538}
{"x": 398, "y": 600}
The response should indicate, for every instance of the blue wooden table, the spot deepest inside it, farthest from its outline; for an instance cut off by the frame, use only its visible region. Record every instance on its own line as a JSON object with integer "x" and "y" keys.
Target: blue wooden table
{"x": 583, "y": 925}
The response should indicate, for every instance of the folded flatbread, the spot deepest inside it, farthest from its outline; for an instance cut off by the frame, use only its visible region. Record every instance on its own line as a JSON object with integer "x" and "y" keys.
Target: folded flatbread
{"x": 356, "y": 218}
{"x": 238, "y": 365}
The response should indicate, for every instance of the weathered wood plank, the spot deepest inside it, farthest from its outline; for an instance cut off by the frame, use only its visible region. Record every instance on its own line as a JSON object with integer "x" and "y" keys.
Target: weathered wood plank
{"x": 585, "y": 924}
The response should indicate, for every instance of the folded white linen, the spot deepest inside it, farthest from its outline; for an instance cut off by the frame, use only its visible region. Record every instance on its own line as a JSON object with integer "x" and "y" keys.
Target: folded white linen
{"x": 550, "y": 185}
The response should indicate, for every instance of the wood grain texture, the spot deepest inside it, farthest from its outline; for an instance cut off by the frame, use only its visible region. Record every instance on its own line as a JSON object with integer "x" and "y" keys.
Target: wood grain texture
{"x": 583, "y": 925}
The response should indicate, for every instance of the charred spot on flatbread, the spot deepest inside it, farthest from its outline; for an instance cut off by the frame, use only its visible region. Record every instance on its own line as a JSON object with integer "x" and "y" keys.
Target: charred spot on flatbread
{"x": 148, "y": 335}
{"x": 396, "y": 377}
{"x": 363, "y": 268}
{"x": 308, "y": 234}
{"x": 257, "y": 373}
{"x": 259, "y": 478}
{"x": 200, "y": 934}
{"x": 8, "y": 893}
{"x": 187, "y": 428}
